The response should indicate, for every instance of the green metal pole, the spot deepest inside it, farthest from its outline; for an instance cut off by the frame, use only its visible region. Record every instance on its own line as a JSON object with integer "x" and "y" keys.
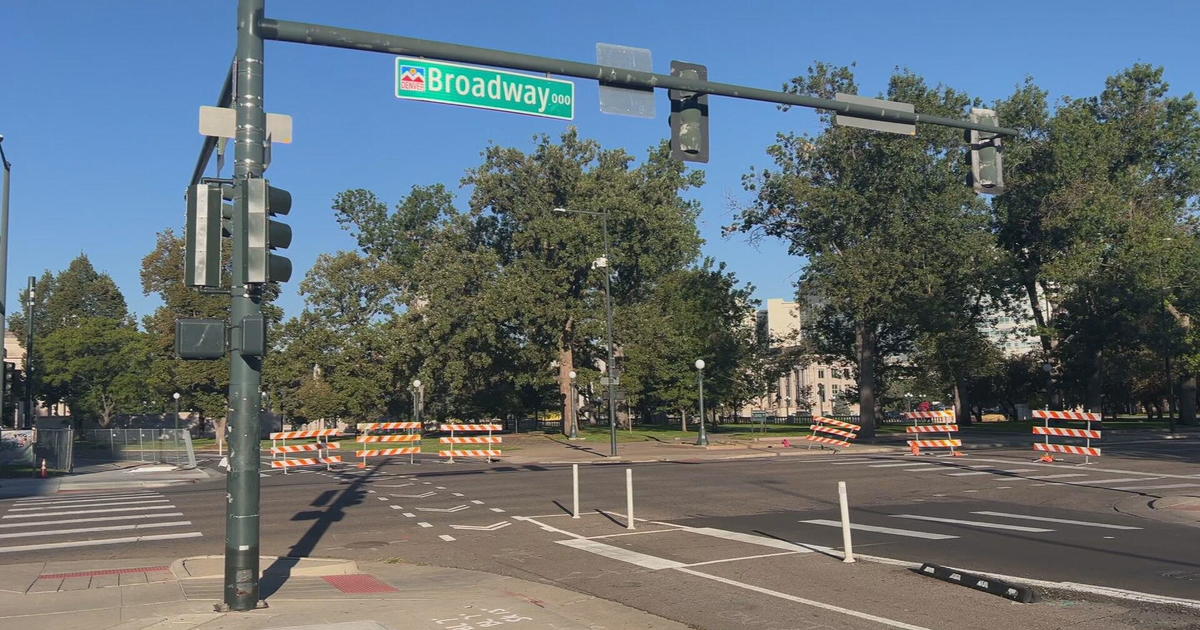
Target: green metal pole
{"x": 4, "y": 261}
{"x": 245, "y": 372}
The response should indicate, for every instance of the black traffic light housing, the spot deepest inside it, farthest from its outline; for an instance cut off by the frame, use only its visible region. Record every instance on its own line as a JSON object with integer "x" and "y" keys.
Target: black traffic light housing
{"x": 263, "y": 234}
{"x": 689, "y": 115}
{"x": 987, "y": 152}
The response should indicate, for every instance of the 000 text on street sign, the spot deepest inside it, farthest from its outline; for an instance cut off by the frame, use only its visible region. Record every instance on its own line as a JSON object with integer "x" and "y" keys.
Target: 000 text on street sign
{"x": 470, "y": 86}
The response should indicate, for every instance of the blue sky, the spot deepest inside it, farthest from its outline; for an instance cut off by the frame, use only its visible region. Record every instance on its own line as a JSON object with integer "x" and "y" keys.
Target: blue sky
{"x": 99, "y": 100}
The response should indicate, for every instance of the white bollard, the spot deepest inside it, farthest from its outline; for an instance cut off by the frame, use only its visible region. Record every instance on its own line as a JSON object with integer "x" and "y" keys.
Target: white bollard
{"x": 575, "y": 490}
{"x": 849, "y": 557}
{"x": 629, "y": 498}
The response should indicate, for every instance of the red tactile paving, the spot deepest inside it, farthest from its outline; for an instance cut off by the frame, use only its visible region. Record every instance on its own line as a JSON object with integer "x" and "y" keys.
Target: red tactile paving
{"x": 55, "y": 576}
{"x": 359, "y": 583}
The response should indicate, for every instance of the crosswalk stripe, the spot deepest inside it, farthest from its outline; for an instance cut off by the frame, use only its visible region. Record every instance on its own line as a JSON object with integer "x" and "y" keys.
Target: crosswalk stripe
{"x": 954, "y": 521}
{"x": 107, "y": 528}
{"x": 852, "y": 462}
{"x": 882, "y": 530}
{"x": 1091, "y": 482}
{"x": 927, "y": 467}
{"x": 82, "y": 505}
{"x": 96, "y": 519}
{"x": 1016, "y": 470}
{"x": 1063, "y": 476}
{"x": 73, "y": 512}
{"x": 101, "y": 541}
{"x": 892, "y": 465}
{"x": 90, "y": 497}
{"x": 653, "y": 563}
{"x": 968, "y": 474}
{"x": 1166, "y": 487}
{"x": 1047, "y": 519}
{"x": 751, "y": 539}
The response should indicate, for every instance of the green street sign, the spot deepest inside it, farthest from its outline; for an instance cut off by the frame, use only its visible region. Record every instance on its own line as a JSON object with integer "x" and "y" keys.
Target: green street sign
{"x": 470, "y": 86}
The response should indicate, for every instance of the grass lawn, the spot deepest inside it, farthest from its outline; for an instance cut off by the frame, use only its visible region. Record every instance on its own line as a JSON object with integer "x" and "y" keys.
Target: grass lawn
{"x": 663, "y": 434}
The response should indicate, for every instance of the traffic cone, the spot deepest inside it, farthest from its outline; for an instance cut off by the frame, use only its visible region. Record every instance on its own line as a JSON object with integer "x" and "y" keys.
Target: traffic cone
{"x": 43, "y": 468}
{"x": 1048, "y": 458}
{"x": 362, "y": 464}
{"x": 915, "y": 450}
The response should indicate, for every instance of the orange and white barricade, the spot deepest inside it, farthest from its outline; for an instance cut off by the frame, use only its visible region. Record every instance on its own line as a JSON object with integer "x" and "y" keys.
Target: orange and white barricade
{"x": 942, "y": 422}
{"x": 321, "y": 448}
{"x": 1088, "y": 434}
{"x": 453, "y": 439}
{"x": 411, "y": 440}
{"x": 845, "y": 432}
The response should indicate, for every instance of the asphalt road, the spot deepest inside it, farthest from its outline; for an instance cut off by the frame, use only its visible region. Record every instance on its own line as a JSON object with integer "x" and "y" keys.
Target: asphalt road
{"x": 703, "y": 529}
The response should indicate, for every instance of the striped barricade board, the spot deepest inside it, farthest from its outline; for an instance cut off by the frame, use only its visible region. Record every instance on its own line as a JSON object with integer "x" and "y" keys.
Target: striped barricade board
{"x": 1086, "y": 434}
{"x": 940, "y": 422}
{"x": 320, "y": 448}
{"x": 386, "y": 433}
{"x": 845, "y": 432}
{"x": 454, "y": 428}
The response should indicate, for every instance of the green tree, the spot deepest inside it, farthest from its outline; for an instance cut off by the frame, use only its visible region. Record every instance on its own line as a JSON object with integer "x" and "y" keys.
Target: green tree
{"x": 876, "y": 215}
{"x": 100, "y": 365}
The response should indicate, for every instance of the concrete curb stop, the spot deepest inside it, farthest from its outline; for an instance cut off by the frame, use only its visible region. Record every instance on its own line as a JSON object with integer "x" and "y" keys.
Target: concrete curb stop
{"x": 1016, "y": 593}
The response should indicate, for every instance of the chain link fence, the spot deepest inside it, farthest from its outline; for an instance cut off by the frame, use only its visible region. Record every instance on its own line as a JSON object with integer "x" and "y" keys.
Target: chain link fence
{"x": 56, "y": 447}
{"x": 164, "y": 446}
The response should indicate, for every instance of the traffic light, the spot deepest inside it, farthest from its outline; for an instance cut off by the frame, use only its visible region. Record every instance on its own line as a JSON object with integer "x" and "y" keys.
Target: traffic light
{"x": 689, "y": 115}
{"x": 10, "y": 370}
{"x": 263, "y": 234}
{"x": 987, "y": 170}
{"x": 202, "y": 236}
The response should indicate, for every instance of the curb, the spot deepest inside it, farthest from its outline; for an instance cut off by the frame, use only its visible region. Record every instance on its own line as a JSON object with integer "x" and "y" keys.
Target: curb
{"x": 310, "y": 567}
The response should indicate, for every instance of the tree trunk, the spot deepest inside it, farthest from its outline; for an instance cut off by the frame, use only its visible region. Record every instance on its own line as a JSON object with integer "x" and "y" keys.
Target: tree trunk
{"x": 1095, "y": 380}
{"x": 865, "y": 341}
{"x": 1187, "y": 399}
{"x": 1042, "y": 321}
{"x": 962, "y": 403}
{"x": 220, "y": 430}
{"x": 683, "y": 420}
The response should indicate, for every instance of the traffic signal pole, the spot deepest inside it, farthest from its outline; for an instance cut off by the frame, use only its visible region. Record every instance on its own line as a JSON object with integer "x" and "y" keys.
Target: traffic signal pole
{"x": 245, "y": 372}
{"x": 244, "y": 90}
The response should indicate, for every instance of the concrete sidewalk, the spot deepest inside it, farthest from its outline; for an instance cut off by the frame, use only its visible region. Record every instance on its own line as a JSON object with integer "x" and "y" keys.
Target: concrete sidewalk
{"x": 300, "y": 593}
{"x": 137, "y": 476}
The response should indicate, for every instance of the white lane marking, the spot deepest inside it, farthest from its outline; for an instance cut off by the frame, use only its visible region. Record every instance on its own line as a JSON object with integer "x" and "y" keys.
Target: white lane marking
{"x": 967, "y": 491}
{"x": 457, "y": 494}
{"x": 396, "y": 507}
{"x": 440, "y": 487}
{"x": 102, "y": 541}
{"x": 653, "y": 563}
{"x": 637, "y": 533}
{"x": 925, "y": 468}
{"x": 969, "y": 474}
{"x": 107, "y": 528}
{"x": 851, "y": 462}
{"x": 892, "y": 465}
{"x": 409, "y": 514}
{"x": 83, "y": 505}
{"x": 551, "y": 528}
{"x": 424, "y": 524}
{"x": 1088, "y": 482}
{"x": 457, "y": 508}
{"x": 95, "y": 519}
{"x": 83, "y": 499}
{"x": 1064, "y": 476}
{"x": 496, "y": 509}
{"x": 382, "y": 498}
{"x": 800, "y": 600}
{"x": 1166, "y": 487}
{"x": 1054, "y": 520}
{"x": 476, "y": 501}
{"x": 1093, "y": 470}
{"x": 756, "y": 557}
{"x": 446, "y": 537}
{"x": 752, "y": 539}
{"x": 882, "y": 530}
{"x": 101, "y": 511}
{"x": 954, "y": 521}
{"x": 483, "y": 528}
{"x": 1017, "y": 470}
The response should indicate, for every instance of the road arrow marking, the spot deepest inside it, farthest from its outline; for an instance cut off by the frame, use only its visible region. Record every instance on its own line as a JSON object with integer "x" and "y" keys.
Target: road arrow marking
{"x": 483, "y": 528}
{"x": 394, "y": 485}
{"x": 457, "y": 508}
{"x": 415, "y": 496}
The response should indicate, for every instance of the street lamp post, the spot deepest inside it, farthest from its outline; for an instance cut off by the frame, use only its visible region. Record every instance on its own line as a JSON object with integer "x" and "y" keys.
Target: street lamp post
{"x": 610, "y": 367}
{"x": 702, "y": 439}
{"x": 787, "y": 408}
{"x": 908, "y": 401}
{"x": 176, "y": 396}
{"x": 31, "y": 293}
{"x": 572, "y": 408}
{"x": 418, "y": 393}
{"x": 4, "y": 261}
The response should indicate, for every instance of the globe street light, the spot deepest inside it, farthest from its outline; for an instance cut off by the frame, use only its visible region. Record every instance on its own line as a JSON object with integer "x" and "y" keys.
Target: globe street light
{"x": 908, "y": 401}
{"x": 610, "y": 367}
{"x": 573, "y": 426}
{"x": 176, "y": 396}
{"x": 702, "y": 439}
{"x": 787, "y": 408}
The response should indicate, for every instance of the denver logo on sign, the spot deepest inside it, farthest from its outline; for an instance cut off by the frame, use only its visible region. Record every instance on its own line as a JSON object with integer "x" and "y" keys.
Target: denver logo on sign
{"x": 484, "y": 88}
{"x": 412, "y": 79}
